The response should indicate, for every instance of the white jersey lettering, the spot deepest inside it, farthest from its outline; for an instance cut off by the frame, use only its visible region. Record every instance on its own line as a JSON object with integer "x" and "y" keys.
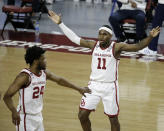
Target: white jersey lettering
{"x": 31, "y": 97}
{"x": 104, "y": 67}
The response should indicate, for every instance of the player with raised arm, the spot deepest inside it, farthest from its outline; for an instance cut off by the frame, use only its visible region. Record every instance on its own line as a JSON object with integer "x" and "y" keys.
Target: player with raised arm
{"x": 104, "y": 71}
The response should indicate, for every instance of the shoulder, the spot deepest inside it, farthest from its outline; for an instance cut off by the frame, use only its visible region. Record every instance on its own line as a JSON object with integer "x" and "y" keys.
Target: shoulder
{"x": 119, "y": 47}
{"x": 48, "y": 73}
{"x": 23, "y": 75}
{"x": 22, "y": 79}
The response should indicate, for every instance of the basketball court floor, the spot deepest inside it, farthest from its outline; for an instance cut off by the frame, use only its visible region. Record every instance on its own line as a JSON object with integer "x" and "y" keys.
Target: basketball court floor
{"x": 140, "y": 77}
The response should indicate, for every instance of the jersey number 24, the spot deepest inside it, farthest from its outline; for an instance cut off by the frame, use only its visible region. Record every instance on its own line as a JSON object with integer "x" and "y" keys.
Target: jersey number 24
{"x": 37, "y": 91}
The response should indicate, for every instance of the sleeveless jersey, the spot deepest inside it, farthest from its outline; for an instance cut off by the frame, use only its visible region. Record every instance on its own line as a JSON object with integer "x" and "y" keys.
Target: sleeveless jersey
{"x": 104, "y": 67}
{"x": 31, "y": 96}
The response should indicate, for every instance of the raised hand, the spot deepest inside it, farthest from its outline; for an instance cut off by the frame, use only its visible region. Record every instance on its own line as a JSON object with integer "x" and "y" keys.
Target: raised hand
{"x": 54, "y": 17}
{"x": 155, "y": 31}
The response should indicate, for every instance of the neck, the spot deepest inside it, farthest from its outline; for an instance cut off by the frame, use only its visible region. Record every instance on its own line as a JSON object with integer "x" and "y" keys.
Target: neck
{"x": 34, "y": 70}
{"x": 105, "y": 45}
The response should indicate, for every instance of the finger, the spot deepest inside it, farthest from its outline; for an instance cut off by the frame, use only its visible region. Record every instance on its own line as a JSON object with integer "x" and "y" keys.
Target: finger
{"x": 157, "y": 27}
{"x": 17, "y": 122}
{"x": 50, "y": 12}
{"x": 84, "y": 95}
{"x": 14, "y": 122}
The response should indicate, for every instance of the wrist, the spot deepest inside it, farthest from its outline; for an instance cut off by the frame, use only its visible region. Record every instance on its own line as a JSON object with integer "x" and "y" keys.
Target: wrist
{"x": 59, "y": 22}
{"x": 150, "y": 36}
{"x": 13, "y": 110}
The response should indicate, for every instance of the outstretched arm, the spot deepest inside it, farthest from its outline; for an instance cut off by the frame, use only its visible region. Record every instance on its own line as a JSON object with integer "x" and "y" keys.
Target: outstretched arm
{"x": 21, "y": 80}
{"x": 63, "y": 82}
{"x": 69, "y": 33}
{"x": 138, "y": 46}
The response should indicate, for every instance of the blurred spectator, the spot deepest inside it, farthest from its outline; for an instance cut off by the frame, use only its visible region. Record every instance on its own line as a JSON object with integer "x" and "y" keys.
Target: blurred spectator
{"x": 157, "y": 21}
{"x": 49, "y": 1}
{"x": 11, "y": 2}
{"x": 134, "y": 9}
{"x": 36, "y": 5}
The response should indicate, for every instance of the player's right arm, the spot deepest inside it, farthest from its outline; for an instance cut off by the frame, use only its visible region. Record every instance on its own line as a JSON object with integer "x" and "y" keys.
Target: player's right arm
{"x": 21, "y": 80}
{"x": 69, "y": 33}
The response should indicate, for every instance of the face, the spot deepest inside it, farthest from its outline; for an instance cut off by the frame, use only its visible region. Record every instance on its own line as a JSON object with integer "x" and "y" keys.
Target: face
{"x": 104, "y": 37}
{"x": 42, "y": 62}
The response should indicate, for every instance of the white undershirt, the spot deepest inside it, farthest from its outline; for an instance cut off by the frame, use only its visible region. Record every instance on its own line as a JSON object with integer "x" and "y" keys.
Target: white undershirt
{"x": 161, "y": 1}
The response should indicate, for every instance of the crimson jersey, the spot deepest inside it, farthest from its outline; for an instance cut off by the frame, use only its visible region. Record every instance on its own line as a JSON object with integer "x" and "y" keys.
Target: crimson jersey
{"x": 104, "y": 67}
{"x": 31, "y": 96}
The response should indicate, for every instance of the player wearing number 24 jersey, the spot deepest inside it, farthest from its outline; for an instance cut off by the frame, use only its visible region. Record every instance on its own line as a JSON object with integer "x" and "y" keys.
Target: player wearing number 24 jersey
{"x": 31, "y": 85}
{"x": 104, "y": 71}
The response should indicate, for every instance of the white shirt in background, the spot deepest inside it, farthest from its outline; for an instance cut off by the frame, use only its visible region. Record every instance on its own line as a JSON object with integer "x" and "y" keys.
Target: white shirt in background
{"x": 141, "y": 5}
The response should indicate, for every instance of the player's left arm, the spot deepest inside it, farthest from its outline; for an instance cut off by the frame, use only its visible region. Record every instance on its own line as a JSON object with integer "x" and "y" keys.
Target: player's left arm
{"x": 63, "y": 82}
{"x": 138, "y": 46}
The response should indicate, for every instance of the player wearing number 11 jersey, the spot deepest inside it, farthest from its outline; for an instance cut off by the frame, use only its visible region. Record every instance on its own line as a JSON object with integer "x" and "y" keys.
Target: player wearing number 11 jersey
{"x": 31, "y": 84}
{"x": 104, "y": 71}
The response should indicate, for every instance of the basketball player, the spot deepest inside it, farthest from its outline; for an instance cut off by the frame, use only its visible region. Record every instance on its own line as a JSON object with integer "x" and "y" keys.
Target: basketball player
{"x": 104, "y": 71}
{"x": 31, "y": 85}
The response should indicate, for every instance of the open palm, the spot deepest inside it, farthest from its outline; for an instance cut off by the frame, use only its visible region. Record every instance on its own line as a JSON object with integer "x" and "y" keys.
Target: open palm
{"x": 54, "y": 17}
{"x": 155, "y": 31}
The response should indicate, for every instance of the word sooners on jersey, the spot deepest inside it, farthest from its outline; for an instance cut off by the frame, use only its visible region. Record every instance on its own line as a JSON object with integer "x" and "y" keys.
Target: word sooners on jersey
{"x": 104, "y": 67}
{"x": 31, "y": 96}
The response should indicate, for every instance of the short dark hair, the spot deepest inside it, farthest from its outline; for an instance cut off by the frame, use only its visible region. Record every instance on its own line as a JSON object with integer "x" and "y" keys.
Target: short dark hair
{"x": 33, "y": 53}
{"x": 107, "y": 26}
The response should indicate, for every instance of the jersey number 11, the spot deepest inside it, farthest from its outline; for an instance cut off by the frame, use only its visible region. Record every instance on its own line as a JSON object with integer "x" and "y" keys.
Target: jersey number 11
{"x": 100, "y": 60}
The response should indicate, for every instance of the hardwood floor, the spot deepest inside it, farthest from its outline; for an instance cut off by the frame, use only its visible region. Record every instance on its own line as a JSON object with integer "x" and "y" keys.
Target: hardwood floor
{"x": 141, "y": 92}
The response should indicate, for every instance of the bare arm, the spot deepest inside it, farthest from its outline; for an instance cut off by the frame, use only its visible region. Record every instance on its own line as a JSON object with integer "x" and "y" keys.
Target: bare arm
{"x": 138, "y": 46}
{"x": 69, "y": 33}
{"x": 21, "y": 80}
{"x": 63, "y": 82}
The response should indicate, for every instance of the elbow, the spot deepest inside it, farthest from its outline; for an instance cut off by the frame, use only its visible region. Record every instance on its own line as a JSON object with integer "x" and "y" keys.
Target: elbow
{"x": 6, "y": 97}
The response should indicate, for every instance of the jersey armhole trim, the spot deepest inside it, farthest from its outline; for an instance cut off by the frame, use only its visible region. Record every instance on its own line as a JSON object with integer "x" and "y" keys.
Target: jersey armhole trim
{"x": 94, "y": 47}
{"x": 25, "y": 86}
{"x": 113, "y": 49}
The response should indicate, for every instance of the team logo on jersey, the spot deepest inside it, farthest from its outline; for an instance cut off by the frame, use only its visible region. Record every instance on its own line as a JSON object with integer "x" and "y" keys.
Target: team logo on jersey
{"x": 103, "y": 55}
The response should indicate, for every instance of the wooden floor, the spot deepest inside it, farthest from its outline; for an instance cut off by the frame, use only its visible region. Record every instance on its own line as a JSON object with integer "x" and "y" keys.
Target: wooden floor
{"x": 141, "y": 92}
